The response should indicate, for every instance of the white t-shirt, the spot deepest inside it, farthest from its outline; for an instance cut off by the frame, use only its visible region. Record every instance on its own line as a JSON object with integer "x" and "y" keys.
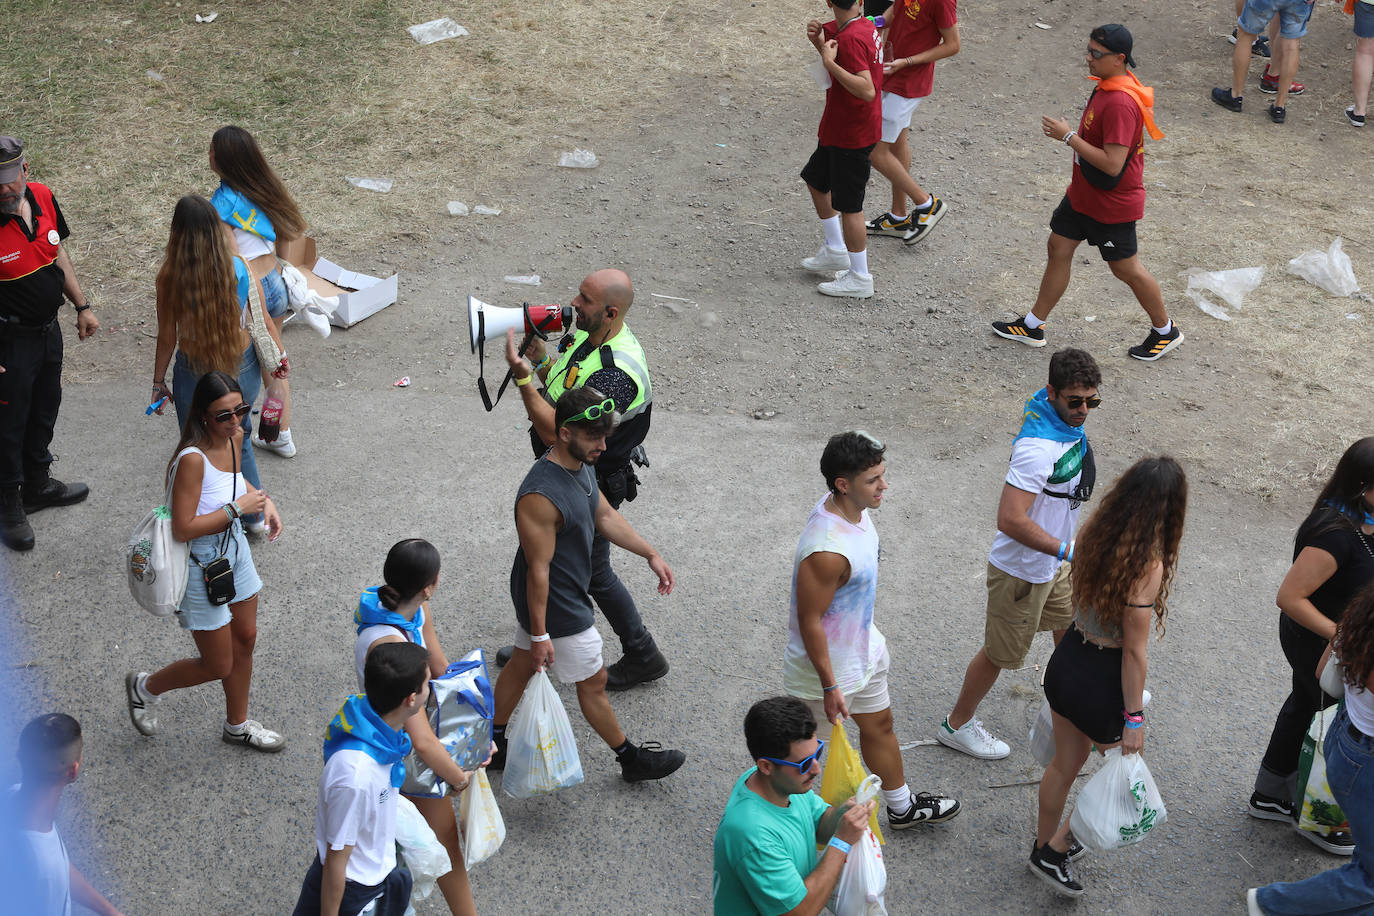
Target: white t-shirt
{"x": 1034, "y": 464}
{"x": 357, "y": 807}
{"x": 856, "y": 646}
{"x": 40, "y": 865}
{"x": 1359, "y": 706}
{"x": 250, "y": 246}
{"x": 370, "y": 635}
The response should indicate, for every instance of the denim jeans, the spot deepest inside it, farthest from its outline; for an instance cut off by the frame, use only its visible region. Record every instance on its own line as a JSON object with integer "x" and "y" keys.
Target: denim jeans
{"x": 1350, "y": 888}
{"x": 184, "y": 379}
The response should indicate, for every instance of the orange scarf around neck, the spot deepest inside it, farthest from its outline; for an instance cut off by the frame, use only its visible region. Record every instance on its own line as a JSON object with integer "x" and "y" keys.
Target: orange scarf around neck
{"x": 1144, "y": 97}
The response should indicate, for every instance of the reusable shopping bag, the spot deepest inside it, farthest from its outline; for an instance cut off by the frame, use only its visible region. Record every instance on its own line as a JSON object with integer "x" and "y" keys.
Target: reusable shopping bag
{"x": 156, "y": 561}
{"x": 459, "y": 709}
{"x": 1119, "y": 806}
{"x": 1320, "y": 812}
{"x": 479, "y": 821}
{"x": 843, "y": 774}
{"x": 863, "y": 882}
{"x": 424, "y": 855}
{"x": 541, "y": 753}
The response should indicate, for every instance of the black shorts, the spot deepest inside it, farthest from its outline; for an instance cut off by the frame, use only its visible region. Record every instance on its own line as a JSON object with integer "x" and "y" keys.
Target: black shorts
{"x": 1083, "y": 684}
{"x": 1116, "y": 241}
{"x": 840, "y": 172}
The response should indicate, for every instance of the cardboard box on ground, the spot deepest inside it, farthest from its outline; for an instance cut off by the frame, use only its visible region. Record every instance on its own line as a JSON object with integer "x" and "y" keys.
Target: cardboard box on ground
{"x": 360, "y": 295}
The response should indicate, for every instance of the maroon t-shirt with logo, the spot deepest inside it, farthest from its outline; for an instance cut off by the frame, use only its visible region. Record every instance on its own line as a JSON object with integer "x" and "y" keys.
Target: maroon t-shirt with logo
{"x": 850, "y": 122}
{"x": 1112, "y": 117}
{"x": 914, "y": 28}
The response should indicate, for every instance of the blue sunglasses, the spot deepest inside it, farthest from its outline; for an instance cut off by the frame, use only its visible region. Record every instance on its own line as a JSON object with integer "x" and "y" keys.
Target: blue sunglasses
{"x": 803, "y": 765}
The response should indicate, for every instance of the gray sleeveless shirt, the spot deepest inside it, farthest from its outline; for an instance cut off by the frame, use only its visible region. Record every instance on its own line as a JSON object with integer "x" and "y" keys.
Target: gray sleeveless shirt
{"x": 569, "y": 608}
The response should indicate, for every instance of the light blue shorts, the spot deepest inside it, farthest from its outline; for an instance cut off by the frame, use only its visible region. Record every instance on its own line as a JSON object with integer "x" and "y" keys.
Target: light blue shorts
{"x": 196, "y": 611}
{"x": 1293, "y": 16}
{"x": 274, "y": 288}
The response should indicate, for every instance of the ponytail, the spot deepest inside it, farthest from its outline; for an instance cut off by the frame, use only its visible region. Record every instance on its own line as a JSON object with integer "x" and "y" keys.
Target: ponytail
{"x": 411, "y": 566}
{"x": 390, "y": 598}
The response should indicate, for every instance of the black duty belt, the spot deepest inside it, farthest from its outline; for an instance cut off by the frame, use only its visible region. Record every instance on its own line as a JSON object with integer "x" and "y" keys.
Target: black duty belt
{"x": 14, "y": 328}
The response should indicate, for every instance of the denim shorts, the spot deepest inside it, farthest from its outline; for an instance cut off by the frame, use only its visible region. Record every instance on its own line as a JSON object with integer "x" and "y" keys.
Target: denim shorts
{"x": 274, "y": 289}
{"x": 1293, "y": 16}
{"x": 1364, "y": 20}
{"x": 196, "y": 612}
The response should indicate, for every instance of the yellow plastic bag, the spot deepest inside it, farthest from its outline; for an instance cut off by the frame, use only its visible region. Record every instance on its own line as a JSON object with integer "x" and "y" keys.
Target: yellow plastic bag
{"x": 843, "y": 773}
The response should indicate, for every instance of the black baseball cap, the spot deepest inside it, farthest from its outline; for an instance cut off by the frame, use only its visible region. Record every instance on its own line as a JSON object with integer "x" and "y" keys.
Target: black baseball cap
{"x": 11, "y": 159}
{"x": 1115, "y": 38}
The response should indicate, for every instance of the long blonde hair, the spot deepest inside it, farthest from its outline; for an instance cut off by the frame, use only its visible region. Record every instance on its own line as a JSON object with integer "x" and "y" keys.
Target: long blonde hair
{"x": 198, "y": 283}
{"x": 244, "y": 168}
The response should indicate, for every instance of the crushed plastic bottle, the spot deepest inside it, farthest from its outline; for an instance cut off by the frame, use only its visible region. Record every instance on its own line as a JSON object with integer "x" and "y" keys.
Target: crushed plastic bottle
{"x": 370, "y": 184}
{"x": 579, "y": 159}
{"x": 484, "y": 210}
{"x": 427, "y": 33}
{"x": 530, "y": 280}
{"x": 457, "y": 208}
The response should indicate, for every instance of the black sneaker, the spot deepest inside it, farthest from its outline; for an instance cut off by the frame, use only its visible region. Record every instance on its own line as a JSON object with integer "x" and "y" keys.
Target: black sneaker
{"x": 925, "y": 809}
{"x": 1277, "y": 113}
{"x": 498, "y": 757}
{"x": 1225, "y": 99}
{"x": 1157, "y": 344}
{"x": 1076, "y": 849}
{"x": 1268, "y": 808}
{"x": 1053, "y": 868}
{"x": 503, "y": 655}
{"x": 1260, "y": 46}
{"x": 1354, "y": 119}
{"x": 1336, "y": 842}
{"x": 650, "y": 761}
{"x": 636, "y": 669}
{"x": 1017, "y": 331}
{"x": 53, "y": 492}
{"x": 926, "y": 219}
{"x": 897, "y": 228}
{"x": 15, "y": 531}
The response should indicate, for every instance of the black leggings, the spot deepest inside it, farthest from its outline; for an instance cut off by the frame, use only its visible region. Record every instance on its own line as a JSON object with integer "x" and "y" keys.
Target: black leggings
{"x": 1303, "y": 649}
{"x": 1083, "y": 684}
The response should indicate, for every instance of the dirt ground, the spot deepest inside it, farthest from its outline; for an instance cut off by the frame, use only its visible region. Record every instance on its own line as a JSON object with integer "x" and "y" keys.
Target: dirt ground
{"x": 701, "y": 117}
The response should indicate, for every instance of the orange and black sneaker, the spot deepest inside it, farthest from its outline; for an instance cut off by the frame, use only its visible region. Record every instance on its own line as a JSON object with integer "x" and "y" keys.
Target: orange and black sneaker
{"x": 1017, "y": 331}
{"x": 1157, "y": 344}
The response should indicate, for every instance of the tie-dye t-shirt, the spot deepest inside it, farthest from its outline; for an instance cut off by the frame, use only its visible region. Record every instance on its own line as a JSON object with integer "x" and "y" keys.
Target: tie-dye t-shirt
{"x": 855, "y": 643}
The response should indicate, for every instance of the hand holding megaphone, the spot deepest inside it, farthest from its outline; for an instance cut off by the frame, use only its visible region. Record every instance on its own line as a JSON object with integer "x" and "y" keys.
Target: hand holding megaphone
{"x": 520, "y": 367}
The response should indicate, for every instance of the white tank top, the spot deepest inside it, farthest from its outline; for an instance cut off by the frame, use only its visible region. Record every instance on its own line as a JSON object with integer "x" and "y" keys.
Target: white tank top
{"x": 370, "y": 635}
{"x": 1359, "y": 706}
{"x": 216, "y": 487}
{"x": 250, "y": 246}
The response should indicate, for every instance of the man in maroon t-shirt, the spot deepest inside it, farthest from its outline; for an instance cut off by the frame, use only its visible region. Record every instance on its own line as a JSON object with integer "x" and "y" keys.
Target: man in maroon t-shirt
{"x": 1106, "y": 197}
{"x": 919, "y": 32}
{"x": 838, "y": 170}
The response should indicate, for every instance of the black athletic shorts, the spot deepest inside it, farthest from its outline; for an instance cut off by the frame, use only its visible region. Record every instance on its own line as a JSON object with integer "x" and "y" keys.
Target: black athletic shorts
{"x": 841, "y": 172}
{"x": 1083, "y": 684}
{"x": 1116, "y": 241}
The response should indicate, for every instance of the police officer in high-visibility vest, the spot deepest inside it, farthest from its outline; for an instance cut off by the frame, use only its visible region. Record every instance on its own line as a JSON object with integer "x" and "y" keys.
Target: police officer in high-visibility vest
{"x": 35, "y": 276}
{"x": 602, "y": 354}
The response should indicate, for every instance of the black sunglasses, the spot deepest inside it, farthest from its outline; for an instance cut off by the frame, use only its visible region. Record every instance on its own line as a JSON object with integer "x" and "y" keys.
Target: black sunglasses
{"x": 1074, "y": 403}
{"x": 1098, "y": 55}
{"x": 239, "y": 412}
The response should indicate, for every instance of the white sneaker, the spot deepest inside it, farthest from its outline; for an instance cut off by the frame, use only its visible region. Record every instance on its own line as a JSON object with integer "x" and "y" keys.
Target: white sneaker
{"x": 283, "y": 447}
{"x": 848, "y": 285}
{"x": 252, "y": 734}
{"x": 973, "y": 739}
{"x": 827, "y": 259}
{"x": 141, "y": 710}
{"x": 258, "y": 528}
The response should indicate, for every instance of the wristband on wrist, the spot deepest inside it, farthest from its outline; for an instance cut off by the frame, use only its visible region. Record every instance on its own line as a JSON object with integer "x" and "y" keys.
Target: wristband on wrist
{"x": 1069, "y": 136}
{"x": 81, "y": 308}
{"x": 1129, "y": 724}
{"x": 522, "y": 382}
{"x": 840, "y": 844}
{"x": 830, "y": 688}
{"x": 1069, "y": 556}
{"x": 543, "y": 362}
{"x": 880, "y": 21}
{"x": 542, "y": 637}
{"x": 1063, "y": 546}
{"x": 229, "y": 512}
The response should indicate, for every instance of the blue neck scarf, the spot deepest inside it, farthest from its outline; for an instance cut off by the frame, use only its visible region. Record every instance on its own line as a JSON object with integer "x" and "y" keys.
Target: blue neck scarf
{"x": 1042, "y": 421}
{"x": 1348, "y": 512}
{"x": 356, "y": 726}
{"x": 370, "y": 613}
{"x": 241, "y": 213}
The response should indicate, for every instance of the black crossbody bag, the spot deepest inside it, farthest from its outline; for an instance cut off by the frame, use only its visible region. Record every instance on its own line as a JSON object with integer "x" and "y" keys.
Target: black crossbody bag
{"x": 219, "y": 572}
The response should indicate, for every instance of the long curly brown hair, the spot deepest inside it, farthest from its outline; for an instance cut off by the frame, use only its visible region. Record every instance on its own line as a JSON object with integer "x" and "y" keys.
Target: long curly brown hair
{"x": 242, "y": 166}
{"x": 197, "y": 280}
{"x": 1354, "y": 640}
{"x": 1139, "y": 522}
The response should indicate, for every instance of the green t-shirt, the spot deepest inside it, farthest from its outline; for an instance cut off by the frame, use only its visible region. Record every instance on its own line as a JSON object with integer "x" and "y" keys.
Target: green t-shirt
{"x": 763, "y": 853}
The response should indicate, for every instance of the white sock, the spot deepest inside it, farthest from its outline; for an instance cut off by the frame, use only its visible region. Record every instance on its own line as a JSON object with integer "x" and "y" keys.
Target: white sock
{"x": 1162, "y": 332}
{"x": 898, "y": 799}
{"x": 236, "y": 729}
{"x": 834, "y": 235}
{"x": 895, "y": 218}
{"x": 930, "y": 202}
{"x": 1032, "y": 322}
{"x": 858, "y": 262}
{"x": 141, "y": 686}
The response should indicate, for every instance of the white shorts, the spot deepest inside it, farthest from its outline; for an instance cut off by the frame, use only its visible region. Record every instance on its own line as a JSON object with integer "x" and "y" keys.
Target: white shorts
{"x": 897, "y": 112}
{"x": 871, "y": 697}
{"x": 575, "y": 658}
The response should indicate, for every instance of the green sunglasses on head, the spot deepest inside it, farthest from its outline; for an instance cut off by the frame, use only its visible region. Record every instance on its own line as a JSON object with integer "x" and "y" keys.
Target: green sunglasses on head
{"x": 593, "y": 412}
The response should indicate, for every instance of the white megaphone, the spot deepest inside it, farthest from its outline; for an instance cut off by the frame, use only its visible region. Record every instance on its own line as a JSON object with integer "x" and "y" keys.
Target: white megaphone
{"x": 491, "y": 322}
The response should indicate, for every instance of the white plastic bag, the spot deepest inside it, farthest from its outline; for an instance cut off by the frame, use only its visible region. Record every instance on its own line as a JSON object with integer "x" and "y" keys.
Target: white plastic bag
{"x": 424, "y": 855}
{"x": 1230, "y": 285}
{"x": 1119, "y": 806}
{"x": 156, "y": 561}
{"x": 541, "y": 753}
{"x": 1042, "y": 735}
{"x": 479, "y": 821}
{"x": 1320, "y": 812}
{"x": 1328, "y": 269}
{"x": 863, "y": 882}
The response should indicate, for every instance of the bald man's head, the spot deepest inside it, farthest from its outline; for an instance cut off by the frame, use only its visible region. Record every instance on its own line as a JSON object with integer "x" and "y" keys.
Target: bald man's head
{"x": 602, "y": 301}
